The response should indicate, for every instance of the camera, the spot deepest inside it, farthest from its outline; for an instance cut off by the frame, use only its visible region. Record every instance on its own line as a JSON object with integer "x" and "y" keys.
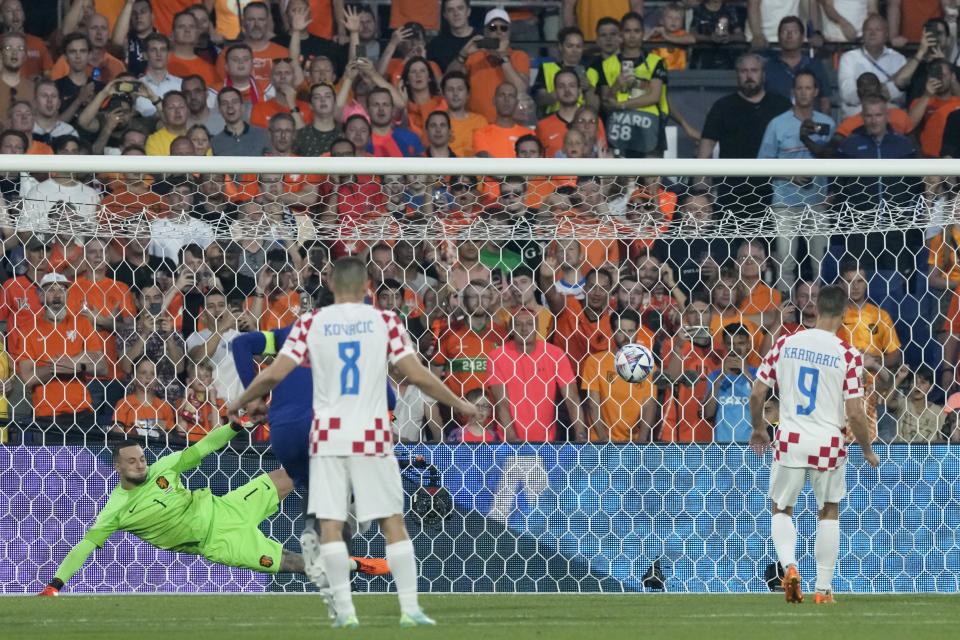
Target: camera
{"x": 491, "y": 44}
{"x": 821, "y": 129}
{"x": 128, "y": 86}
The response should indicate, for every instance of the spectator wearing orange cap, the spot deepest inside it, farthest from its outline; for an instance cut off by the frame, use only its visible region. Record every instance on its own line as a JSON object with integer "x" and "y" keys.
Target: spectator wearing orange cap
{"x": 524, "y": 376}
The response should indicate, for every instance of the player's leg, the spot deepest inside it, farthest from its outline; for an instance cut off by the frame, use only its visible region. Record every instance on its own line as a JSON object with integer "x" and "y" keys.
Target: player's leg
{"x": 829, "y": 487}
{"x": 785, "y": 486}
{"x": 827, "y": 550}
{"x": 378, "y": 492}
{"x": 329, "y": 507}
{"x": 403, "y": 565}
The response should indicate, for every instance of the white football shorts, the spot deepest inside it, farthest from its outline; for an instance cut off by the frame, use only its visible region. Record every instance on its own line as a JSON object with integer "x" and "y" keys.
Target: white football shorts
{"x": 786, "y": 483}
{"x": 373, "y": 481}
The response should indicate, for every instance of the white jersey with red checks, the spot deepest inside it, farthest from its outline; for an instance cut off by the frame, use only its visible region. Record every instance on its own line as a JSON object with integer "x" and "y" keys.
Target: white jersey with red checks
{"x": 349, "y": 345}
{"x": 816, "y": 372}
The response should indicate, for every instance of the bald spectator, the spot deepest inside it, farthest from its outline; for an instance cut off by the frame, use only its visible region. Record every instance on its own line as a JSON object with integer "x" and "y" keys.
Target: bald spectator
{"x": 182, "y": 146}
{"x": 199, "y": 99}
{"x": 133, "y": 25}
{"x": 257, "y": 25}
{"x": 38, "y": 61}
{"x": 13, "y": 86}
{"x": 184, "y": 60}
{"x": 157, "y": 77}
{"x": 874, "y": 56}
{"x": 237, "y": 138}
{"x": 174, "y": 113}
{"x": 489, "y": 68}
{"x": 46, "y": 120}
{"x": 498, "y": 140}
{"x": 387, "y": 140}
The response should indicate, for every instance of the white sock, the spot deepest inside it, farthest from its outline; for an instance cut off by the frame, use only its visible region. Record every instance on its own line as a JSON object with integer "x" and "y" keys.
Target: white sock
{"x": 784, "y": 536}
{"x": 826, "y": 549}
{"x": 336, "y": 561}
{"x": 403, "y": 566}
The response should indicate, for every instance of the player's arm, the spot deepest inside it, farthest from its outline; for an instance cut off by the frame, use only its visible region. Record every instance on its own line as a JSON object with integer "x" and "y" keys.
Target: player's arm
{"x": 193, "y": 455}
{"x": 244, "y": 347}
{"x": 92, "y": 539}
{"x": 759, "y": 438}
{"x": 410, "y": 367}
{"x": 263, "y": 384}
{"x": 860, "y": 425}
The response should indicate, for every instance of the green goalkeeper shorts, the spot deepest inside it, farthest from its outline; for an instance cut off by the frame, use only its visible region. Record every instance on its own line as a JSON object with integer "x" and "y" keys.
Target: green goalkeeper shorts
{"x": 235, "y": 539}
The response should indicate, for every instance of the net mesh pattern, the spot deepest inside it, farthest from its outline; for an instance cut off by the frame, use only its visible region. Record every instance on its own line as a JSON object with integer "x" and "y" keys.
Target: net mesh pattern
{"x": 123, "y": 293}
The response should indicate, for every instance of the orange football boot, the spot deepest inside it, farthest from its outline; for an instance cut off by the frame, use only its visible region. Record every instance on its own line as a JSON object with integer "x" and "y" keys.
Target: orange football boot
{"x": 371, "y": 566}
{"x": 791, "y": 585}
{"x": 824, "y": 598}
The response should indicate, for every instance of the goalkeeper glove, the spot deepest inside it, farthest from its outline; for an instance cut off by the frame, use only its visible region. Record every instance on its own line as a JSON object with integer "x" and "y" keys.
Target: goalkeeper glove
{"x": 52, "y": 589}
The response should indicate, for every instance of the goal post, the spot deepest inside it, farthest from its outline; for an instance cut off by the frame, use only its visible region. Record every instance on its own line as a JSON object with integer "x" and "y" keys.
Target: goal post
{"x": 704, "y": 261}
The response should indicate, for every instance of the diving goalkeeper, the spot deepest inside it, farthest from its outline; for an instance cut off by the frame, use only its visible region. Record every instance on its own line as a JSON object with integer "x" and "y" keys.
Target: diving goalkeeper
{"x": 151, "y": 503}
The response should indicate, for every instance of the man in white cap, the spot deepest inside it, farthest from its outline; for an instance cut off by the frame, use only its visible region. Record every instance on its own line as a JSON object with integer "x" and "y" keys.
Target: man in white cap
{"x": 56, "y": 354}
{"x": 488, "y": 65}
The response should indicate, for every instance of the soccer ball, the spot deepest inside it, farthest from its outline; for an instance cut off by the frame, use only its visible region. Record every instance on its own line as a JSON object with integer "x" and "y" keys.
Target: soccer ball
{"x": 634, "y": 362}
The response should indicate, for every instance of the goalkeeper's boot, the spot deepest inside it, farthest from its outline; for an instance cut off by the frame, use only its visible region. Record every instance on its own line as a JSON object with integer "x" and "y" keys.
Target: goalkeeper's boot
{"x": 49, "y": 591}
{"x": 310, "y": 546}
{"x": 824, "y": 597}
{"x": 372, "y": 566}
{"x": 416, "y": 619}
{"x": 347, "y": 621}
{"x": 791, "y": 585}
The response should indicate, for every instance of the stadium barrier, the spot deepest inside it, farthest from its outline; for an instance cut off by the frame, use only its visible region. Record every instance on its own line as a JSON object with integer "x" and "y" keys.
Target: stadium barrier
{"x": 527, "y": 519}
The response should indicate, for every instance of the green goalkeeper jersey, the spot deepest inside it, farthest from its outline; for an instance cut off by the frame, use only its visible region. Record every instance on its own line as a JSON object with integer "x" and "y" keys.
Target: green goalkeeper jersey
{"x": 160, "y": 511}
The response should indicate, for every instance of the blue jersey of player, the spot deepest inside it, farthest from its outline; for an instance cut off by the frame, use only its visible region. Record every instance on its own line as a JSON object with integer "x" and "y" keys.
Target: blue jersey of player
{"x": 291, "y": 404}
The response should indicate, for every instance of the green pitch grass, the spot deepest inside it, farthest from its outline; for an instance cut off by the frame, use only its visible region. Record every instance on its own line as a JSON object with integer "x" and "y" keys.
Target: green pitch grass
{"x": 490, "y": 617}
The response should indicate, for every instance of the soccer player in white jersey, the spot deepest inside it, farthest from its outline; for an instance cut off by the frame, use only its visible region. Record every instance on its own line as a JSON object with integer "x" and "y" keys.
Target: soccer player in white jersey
{"x": 349, "y": 344}
{"x": 819, "y": 380}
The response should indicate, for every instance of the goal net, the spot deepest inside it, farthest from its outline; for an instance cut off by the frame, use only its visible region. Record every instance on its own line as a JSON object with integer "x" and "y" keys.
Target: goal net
{"x": 130, "y": 281}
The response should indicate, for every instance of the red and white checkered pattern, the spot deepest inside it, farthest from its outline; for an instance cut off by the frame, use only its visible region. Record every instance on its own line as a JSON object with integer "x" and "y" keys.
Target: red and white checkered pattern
{"x": 853, "y": 382}
{"x": 398, "y": 340}
{"x": 829, "y": 456}
{"x": 815, "y": 373}
{"x": 784, "y": 440}
{"x": 349, "y": 346}
{"x": 376, "y": 441}
{"x": 297, "y": 339}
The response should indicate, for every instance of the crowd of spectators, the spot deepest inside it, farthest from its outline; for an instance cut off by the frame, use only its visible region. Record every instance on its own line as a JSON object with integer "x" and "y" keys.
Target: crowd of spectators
{"x": 129, "y": 330}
